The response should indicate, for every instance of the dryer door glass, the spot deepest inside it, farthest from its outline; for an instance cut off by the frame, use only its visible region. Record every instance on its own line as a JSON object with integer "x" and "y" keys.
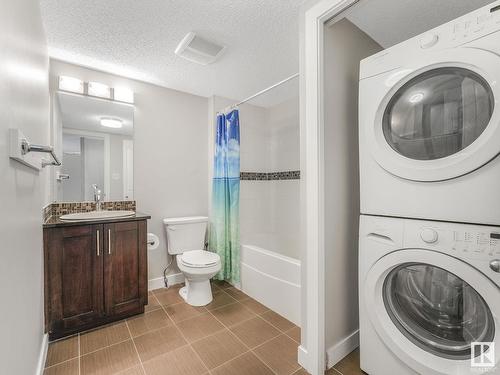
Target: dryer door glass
{"x": 437, "y": 310}
{"x": 438, "y": 113}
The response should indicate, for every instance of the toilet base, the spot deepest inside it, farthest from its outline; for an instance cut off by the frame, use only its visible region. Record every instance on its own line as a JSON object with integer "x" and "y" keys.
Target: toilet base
{"x": 197, "y": 293}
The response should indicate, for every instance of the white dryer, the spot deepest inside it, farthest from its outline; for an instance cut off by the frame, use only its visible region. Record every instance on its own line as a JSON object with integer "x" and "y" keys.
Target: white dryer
{"x": 427, "y": 291}
{"x": 430, "y": 124}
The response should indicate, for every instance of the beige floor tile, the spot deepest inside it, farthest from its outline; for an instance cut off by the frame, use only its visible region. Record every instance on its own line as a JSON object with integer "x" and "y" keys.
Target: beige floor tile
{"x": 158, "y": 342}
{"x": 301, "y": 371}
{"x": 280, "y": 354}
{"x": 294, "y": 333}
{"x": 218, "y": 348}
{"x": 255, "y": 331}
{"x": 247, "y": 364}
{"x": 182, "y": 361}
{"x": 232, "y": 314}
{"x": 278, "y": 321}
{"x": 333, "y": 371}
{"x": 236, "y": 293}
{"x": 65, "y": 368}
{"x": 102, "y": 337}
{"x": 182, "y": 311}
{"x": 136, "y": 370}
{"x": 255, "y": 306}
{"x": 143, "y": 323}
{"x": 199, "y": 327}
{"x": 220, "y": 299}
{"x": 62, "y": 350}
{"x": 110, "y": 360}
{"x": 168, "y": 296}
{"x": 350, "y": 364}
{"x": 221, "y": 284}
{"x": 153, "y": 303}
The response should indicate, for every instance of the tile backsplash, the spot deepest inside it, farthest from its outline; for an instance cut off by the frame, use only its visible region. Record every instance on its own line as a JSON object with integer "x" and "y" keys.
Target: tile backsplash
{"x": 269, "y": 176}
{"x": 57, "y": 208}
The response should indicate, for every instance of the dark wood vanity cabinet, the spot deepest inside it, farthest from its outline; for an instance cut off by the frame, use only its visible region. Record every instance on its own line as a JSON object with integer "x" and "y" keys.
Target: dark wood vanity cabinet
{"x": 94, "y": 274}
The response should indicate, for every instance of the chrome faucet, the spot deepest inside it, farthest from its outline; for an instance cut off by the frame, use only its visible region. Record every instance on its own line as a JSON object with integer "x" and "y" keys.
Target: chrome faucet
{"x": 97, "y": 197}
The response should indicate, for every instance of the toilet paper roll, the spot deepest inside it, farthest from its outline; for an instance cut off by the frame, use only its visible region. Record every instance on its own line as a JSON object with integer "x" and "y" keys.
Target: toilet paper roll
{"x": 153, "y": 241}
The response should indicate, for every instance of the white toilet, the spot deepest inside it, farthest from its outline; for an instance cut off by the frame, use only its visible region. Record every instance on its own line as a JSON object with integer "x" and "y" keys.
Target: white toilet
{"x": 185, "y": 239}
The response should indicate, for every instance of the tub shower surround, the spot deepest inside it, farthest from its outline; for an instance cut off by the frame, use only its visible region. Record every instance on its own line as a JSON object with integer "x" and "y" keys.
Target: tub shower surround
{"x": 57, "y": 209}
{"x": 269, "y": 176}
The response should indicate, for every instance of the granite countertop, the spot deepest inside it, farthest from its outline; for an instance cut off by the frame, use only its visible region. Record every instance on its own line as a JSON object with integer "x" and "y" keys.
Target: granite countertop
{"x": 54, "y": 221}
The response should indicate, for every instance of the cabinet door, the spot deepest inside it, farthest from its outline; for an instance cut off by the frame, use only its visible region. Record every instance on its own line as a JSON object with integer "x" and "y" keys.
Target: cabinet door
{"x": 125, "y": 268}
{"x": 73, "y": 276}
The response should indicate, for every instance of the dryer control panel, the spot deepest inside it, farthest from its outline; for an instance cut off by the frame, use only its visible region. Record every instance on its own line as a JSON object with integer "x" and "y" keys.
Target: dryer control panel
{"x": 460, "y": 240}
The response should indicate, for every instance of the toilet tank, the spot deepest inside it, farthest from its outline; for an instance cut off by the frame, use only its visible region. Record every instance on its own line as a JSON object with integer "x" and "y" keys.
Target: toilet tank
{"x": 185, "y": 233}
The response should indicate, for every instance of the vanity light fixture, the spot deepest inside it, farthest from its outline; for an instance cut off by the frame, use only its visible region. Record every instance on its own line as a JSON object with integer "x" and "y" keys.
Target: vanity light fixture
{"x": 96, "y": 89}
{"x": 122, "y": 94}
{"x": 99, "y": 89}
{"x": 71, "y": 84}
{"x": 111, "y": 122}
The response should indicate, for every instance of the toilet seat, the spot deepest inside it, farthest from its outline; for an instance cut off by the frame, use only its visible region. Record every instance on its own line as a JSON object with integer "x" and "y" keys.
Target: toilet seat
{"x": 199, "y": 258}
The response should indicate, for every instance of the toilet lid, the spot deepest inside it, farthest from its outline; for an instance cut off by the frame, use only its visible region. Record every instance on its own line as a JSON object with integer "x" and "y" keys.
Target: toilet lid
{"x": 199, "y": 258}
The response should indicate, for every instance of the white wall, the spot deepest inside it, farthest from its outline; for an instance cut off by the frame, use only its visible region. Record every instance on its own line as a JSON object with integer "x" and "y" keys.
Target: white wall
{"x": 170, "y": 152}
{"x": 24, "y": 103}
{"x": 344, "y": 46}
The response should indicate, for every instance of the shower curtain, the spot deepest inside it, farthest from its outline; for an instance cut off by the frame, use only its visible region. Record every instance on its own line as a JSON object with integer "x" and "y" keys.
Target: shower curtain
{"x": 224, "y": 219}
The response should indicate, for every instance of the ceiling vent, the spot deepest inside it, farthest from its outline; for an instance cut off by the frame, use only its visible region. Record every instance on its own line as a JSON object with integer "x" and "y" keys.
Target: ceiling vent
{"x": 199, "y": 50}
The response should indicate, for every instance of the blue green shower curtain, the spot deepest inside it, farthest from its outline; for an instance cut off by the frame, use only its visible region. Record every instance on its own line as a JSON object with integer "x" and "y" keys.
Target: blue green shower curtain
{"x": 224, "y": 238}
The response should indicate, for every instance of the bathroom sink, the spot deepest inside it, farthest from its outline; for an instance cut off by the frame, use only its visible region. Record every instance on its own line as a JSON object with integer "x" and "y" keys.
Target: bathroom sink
{"x": 96, "y": 215}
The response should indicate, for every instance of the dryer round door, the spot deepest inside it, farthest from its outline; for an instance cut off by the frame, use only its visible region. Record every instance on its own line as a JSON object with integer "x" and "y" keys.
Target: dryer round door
{"x": 429, "y": 308}
{"x": 438, "y": 118}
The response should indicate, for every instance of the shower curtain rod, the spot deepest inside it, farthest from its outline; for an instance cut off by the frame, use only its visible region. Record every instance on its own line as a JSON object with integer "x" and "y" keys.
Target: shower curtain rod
{"x": 260, "y": 92}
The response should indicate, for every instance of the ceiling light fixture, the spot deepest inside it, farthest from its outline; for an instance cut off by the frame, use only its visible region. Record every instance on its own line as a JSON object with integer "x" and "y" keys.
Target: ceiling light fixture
{"x": 123, "y": 94}
{"x": 416, "y": 98}
{"x": 111, "y": 122}
{"x": 71, "y": 84}
{"x": 99, "y": 90}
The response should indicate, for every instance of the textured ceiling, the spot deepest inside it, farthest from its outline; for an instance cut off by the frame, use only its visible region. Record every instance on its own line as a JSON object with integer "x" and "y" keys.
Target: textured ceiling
{"x": 137, "y": 39}
{"x": 84, "y": 113}
{"x": 392, "y": 21}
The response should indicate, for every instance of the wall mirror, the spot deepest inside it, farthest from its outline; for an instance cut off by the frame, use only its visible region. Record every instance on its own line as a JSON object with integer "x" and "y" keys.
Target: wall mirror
{"x": 97, "y": 148}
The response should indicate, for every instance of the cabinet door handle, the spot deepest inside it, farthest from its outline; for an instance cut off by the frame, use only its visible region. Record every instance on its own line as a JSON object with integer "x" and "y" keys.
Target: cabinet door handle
{"x": 109, "y": 241}
{"x": 98, "y": 245}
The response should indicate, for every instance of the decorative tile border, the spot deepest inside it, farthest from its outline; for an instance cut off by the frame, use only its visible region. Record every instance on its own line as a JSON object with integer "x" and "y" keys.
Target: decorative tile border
{"x": 57, "y": 209}
{"x": 263, "y": 176}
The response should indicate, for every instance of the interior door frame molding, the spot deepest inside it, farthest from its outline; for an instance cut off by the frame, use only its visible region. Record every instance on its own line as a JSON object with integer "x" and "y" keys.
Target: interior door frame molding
{"x": 312, "y": 353}
{"x": 107, "y": 153}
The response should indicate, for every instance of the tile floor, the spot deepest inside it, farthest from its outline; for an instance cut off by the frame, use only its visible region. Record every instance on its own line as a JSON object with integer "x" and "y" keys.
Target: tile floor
{"x": 233, "y": 335}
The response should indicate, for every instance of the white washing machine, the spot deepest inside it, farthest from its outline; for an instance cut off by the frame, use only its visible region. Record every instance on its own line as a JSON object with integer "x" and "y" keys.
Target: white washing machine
{"x": 430, "y": 124}
{"x": 427, "y": 291}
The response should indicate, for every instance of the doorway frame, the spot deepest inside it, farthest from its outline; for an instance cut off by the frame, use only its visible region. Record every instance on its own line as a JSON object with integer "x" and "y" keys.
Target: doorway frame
{"x": 312, "y": 352}
{"x": 107, "y": 152}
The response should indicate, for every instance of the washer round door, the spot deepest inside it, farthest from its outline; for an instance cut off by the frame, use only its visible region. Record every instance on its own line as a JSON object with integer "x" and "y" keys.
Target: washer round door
{"x": 439, "y": 118}
{"x": 430, "y": 308}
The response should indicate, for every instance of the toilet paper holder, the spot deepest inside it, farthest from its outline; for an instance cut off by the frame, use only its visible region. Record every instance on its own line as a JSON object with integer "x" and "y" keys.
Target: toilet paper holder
{"x": 153, "y": 241}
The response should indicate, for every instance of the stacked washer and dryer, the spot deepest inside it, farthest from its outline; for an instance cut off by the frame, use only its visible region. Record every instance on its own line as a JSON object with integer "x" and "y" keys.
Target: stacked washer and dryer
{"x": 429, "y": 262}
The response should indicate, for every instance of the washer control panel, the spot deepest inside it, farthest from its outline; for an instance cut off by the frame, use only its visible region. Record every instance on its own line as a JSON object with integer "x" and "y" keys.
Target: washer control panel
{"x": 460, "y": 240}
{"x": 477, "y": 24}
{"x": 476, "y": 243}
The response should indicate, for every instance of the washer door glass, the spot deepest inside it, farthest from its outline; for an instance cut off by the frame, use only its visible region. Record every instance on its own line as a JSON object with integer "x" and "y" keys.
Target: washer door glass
{"x": 437, "y": 310}
{"x": 438, "y": 113}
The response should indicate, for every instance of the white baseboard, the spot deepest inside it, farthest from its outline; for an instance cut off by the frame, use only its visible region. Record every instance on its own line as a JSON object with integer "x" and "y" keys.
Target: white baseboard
{"x": 176, "y": 278}
{"x": 43, "y": 355}
{"x": 302, "y": 357}
{"x": 335, "y": 353}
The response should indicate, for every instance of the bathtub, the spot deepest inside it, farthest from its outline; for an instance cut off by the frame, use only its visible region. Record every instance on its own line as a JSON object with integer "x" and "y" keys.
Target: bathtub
{"x": 272, "y": 279}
